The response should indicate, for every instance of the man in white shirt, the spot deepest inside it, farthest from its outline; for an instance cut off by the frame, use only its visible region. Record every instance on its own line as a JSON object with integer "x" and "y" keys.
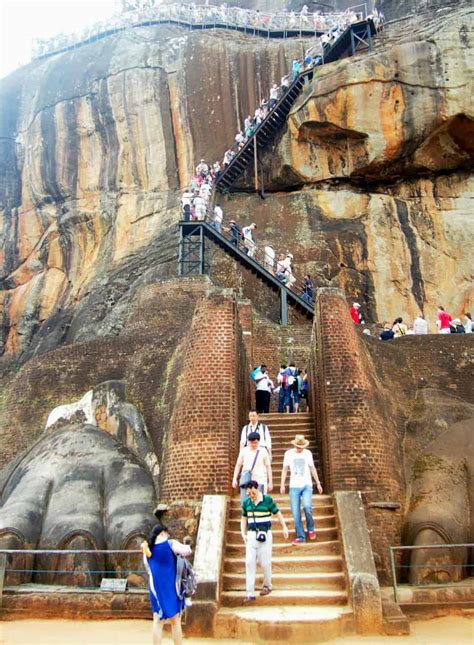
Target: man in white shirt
{"x": 249, "y": 243}
{"x": 254, "y": 425}
{"x": 200, "y": 207}
{"x": 420, "y": 326}
{"x": 218, "y": 216}
{"x": 269, "y": 258}
{"x": 263, "y": 391}
{"x": 273, "y": 96}
{"x": 300, "y": 463}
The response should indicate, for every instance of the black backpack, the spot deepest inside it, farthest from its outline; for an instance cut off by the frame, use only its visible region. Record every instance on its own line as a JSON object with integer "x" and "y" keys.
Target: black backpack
{"x": 257, "y": 430}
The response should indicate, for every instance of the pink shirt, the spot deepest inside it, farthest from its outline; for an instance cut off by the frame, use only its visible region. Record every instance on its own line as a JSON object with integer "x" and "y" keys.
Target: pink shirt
{"x": 444, "y": 319}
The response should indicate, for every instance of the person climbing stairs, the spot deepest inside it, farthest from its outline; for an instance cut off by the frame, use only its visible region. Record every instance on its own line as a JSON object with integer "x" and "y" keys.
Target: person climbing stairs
{"x": 309, "y": 582}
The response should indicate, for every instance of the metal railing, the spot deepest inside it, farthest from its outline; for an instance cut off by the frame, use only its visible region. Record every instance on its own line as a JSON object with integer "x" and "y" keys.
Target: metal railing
{"x": 295, "y": 282}
{"x": 62, "y": 567}
{"x": 257, "y": 23}
{"x": 429, "y": 585}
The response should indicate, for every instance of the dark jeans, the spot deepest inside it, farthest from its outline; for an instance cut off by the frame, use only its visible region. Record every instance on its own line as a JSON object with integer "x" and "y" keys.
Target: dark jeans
{"x": 262, "y": 401}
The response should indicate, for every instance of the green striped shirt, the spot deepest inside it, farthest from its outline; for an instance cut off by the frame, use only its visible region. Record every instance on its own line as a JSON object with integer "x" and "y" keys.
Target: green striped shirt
{"x": 259, "y": 515}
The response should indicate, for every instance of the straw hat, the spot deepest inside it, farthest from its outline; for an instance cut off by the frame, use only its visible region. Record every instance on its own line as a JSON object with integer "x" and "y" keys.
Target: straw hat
{"x": 300, "y": 442}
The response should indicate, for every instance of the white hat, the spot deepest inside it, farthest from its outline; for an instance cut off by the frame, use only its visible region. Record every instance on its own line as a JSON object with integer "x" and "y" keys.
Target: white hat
{"x": 356, "y": 304}
{"x": 289, "y": 255}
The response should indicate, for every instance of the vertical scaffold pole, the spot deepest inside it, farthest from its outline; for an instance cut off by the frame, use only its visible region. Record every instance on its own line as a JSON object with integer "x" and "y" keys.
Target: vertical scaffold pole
{"x": 180, "y": 252}
{"x": 255, "y": 162}
{"x": 283, "y": 307}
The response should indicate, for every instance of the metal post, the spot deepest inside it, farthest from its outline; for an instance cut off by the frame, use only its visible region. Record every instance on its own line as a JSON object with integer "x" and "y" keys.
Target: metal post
{"x": 180, "y": 252}
{"x": 353, "y": 44}
{"x": 394, "y": 574}
{"x": 283, "y": 307}
{"x": 3, "y": 565}
{"x": 369, "y": 37}
{"x": 201, "y": 251}
{"x": 255, "y": 162}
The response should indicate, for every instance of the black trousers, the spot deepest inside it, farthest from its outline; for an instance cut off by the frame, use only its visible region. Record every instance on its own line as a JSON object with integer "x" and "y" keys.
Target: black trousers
{"x": 262, "y": 401}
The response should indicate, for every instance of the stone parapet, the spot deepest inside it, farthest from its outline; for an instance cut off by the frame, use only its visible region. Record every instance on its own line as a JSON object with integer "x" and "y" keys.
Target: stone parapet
{"x": 362, "y": 575}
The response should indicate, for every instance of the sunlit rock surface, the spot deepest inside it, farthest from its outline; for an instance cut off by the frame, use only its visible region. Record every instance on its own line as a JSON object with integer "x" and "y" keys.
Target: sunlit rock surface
{"x": 95, "y": 145}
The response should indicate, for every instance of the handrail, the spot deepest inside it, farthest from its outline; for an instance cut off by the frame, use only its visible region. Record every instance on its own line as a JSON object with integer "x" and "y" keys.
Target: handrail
{"x": 279, "y": 24}
{"x": 417, "y": 547}
{"x": 305, "y": 72}
{"x": 296, "y": 286}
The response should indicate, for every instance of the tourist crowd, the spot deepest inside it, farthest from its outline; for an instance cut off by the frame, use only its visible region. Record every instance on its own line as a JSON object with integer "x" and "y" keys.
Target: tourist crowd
{"x": 444, "y": 324}
{"x": 137, "y": 12}
{"x": 196, "y": 205}
{"x": 292, "y": 387}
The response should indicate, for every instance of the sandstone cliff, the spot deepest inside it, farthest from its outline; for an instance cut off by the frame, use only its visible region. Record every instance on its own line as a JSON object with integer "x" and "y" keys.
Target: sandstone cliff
{"x": 96, "y": 143}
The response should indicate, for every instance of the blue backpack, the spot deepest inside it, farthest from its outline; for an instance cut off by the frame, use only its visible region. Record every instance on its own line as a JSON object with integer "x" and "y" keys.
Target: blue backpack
{"x": 253, "y": 374}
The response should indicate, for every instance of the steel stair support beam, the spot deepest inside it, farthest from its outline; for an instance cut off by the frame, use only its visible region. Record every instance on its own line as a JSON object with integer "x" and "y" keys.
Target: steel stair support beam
{"x": 286, "y": 295}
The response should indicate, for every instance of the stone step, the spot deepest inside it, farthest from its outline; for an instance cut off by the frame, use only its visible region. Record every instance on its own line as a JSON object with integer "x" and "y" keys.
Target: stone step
{"x": 291, "y": 562}
{"x": 318, "y": 500}
{"x": 289, "y": 597}
{"x": 235, "y": 511}
{"x": 288, "y": 420}
{"x": 299, "y": 580}
{"x": 293, "y": 624}
{"x": 321, "y": 521}
{"x": 287, "y": 548}
{"x": 320, "y": 506}
{"x": 323, "y": 534}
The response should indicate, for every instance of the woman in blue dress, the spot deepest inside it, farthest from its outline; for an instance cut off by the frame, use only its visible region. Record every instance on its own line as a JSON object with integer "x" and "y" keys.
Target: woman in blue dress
{"x": 159, "y": 555}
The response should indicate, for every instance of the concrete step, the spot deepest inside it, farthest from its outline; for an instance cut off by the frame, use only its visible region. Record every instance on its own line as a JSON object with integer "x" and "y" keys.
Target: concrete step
{"x": 318, "y": 500}
{"x": 235, "y": 511}
{"x": 289, "y": 597}
{"x": 321, "y": 521}
{"x": 323, "y": 534}
{"x": 289, "y": 421}
{"x": 270, "y": 416}
{"x": 296, "y": 561}
{"x": 320, "y": 505}
{"x": 299, "y": 580}
{"x": 280, "y": 624}
{"x": 286, "y": 548}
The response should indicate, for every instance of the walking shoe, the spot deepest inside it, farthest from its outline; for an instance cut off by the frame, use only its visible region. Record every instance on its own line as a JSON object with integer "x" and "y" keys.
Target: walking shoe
{"x": 248, "y": 600}
{"x": 265, "y": 590}
{"x": 298, "y": 541}
{"x": 312, "y": 535}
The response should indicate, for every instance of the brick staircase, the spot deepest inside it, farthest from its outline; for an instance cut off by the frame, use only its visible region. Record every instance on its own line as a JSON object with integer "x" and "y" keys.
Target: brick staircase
{"x": 309, "y": 584}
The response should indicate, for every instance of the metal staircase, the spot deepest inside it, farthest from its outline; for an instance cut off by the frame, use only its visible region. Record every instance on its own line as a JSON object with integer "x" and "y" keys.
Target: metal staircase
{"x": 355, "y": 37}
{"x": 193, "y": 259}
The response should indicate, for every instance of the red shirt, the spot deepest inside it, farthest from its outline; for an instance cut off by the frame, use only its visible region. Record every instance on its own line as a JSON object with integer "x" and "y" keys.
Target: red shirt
{"x": 444, "y": 319}
{"x": 354, "y": 312}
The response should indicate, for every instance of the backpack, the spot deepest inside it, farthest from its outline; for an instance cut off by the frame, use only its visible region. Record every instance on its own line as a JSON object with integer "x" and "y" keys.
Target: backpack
{"x": 186, "y": 580}
{"x": 253, "y": 374}
{"x": 257, "y": 430}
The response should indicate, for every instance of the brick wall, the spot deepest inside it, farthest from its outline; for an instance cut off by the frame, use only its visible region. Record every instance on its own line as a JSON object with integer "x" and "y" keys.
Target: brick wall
{"x": 363, "y": 391}
{"x": 213, "y": 386}
{"x": 273, "y": 344}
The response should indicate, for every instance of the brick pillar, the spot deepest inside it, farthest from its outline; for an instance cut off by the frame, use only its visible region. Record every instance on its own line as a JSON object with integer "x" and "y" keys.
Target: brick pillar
{"x": 360, "y": 443}
{"x": 200, "y": 449}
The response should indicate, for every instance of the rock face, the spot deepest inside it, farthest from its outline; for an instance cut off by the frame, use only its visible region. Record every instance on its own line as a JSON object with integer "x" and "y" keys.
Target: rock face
{"x": 96, "y": 143}
{"x": 439, "y": 463}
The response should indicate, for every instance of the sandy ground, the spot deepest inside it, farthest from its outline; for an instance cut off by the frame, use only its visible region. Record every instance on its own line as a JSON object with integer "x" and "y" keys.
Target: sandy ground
{"x": 454, "y": 630}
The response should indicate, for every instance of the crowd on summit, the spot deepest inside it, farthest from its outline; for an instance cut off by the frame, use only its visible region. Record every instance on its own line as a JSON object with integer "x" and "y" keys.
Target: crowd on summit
{"x": 138, "y": 12}
{"x": 444, "y": 324}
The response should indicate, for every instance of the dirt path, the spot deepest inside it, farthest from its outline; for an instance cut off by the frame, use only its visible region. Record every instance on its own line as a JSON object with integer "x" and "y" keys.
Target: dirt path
{"x": 446, "y": 631}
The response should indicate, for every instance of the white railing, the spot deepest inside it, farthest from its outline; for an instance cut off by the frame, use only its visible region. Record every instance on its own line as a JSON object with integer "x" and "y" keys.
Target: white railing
{"x": 285, "y": 24}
